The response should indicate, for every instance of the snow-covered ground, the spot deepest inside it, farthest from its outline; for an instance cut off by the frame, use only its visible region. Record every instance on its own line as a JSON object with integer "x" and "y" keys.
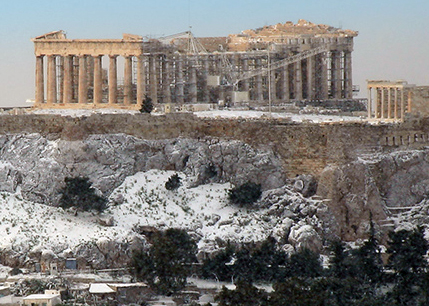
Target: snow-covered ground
{"x": 82, "y": 112}
{"x": 204, "y": 210}
{"x": 231, "y": 113}
{"x": 316, "y": 118}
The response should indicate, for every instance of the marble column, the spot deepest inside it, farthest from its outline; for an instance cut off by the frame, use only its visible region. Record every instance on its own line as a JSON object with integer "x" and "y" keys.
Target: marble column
{"x": 348, "y": 82}
{"x": 141, "y": 82}
{"x": 179, "y": 79}
{"x": 113, "y": 79}
{"x": 284, "y": 83}
{"x": 298, "y": 81}
{"x": 205, "y": 73}
{"x": 83, "y": 83}
{"x": 128, "y": 78}
{"x": 273, "y": 85}
{"x": 310, "y": 77}
{"x": 402, "y": 104}
{"x": 336, "y": 75}
{"x": 40, "y": 85}
{"x": 153, "y": 78}
{"x": 410, "y": 98}
{"x": 396, "y": 103}
{"x": 98, "y": 79}
{"x": 382, "y": 103}
{"x": 52, "y": 80}
{"x": 369, "y": 105}
{"x": 389, "y": 103}
{"x": 68, "y": 78}
{"x": 376, "y": 103}
{"x": 166, "y": 72}
{"x": 60, "y": 79}
{"x": 324, "y": 92}
{"x": 259, "y": 93}
{"x": 192, "y": 82}
{"x": 245, "y": 67}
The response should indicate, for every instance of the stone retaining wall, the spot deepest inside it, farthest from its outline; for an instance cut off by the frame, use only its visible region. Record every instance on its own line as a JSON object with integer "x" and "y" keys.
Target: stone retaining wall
{"x": 304, "y": 148}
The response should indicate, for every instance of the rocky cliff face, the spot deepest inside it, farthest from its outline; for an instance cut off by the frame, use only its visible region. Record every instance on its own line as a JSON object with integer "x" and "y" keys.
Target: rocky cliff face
{"x": 385, "y": 185}
{"x": 389, "y": 186}
{"x": 122, "y": 167}
{"x": 38, "y": 165}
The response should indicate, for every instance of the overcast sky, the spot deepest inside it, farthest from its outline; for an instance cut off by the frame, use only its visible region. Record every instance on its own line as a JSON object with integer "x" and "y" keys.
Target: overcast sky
{"x": 393, "y": 41}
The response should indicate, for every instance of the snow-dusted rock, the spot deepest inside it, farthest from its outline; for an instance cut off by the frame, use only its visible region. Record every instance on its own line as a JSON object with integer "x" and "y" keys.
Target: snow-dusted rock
{"x": 305, "y": 236}
{"x": 39, "y": 165}
{"x": 374, "y": 184}
{"x": 204, "y": 211}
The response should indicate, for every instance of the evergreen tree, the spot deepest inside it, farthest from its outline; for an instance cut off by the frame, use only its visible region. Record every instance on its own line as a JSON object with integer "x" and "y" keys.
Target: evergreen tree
{"x": 268, "y": 261}
{"x": 245, "y": 194}
{"x": 369, "y": 265}
{"x": 305, "y": 263}
{"x": 245, "y": 294}
{"x": 147, "y": 105}
{"x": 167, "y": 264}
{"x": 78, "y": 192}
{"x": 173, "y": 182}
{"x": 244, "y": 265}
{"x": 297, "y": 291}
{"x": 407, "y": 250}
{"x": 218, "y": 266}
{"x": 341, "y": 264}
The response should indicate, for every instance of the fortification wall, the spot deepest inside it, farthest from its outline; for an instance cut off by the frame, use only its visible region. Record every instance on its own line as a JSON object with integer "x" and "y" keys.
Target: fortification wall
{"x": 303, "y": 148}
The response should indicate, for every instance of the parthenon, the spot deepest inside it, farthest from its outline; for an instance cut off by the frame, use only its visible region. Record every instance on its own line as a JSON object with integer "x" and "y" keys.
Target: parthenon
{"x": 281, "y": 63}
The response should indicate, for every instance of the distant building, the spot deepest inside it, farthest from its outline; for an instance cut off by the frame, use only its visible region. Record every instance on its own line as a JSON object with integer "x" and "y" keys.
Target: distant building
{"x": 42, "y": 300}
{"x": 394, "y": 100}
{"x": 279, "y": 63}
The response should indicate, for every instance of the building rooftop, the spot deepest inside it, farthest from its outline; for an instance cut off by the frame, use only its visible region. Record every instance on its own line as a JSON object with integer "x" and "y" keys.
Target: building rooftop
{"x": 41, "y": 296}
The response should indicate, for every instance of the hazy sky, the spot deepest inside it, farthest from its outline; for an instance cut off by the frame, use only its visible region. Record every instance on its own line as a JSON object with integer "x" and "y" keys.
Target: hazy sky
{"x": 393, "y": 41}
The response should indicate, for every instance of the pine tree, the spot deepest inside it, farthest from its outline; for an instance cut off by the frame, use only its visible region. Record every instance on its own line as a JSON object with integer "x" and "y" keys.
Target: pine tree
{"x": 407, "y": 250}
{"x": 147, "y": 105}
{"x": 173, "y": 182}
{"x": 78, "y": 192}
{"x": 305, "y": 263}
{"x": 245, "y": 194}
{"x": 218, "y": 266}
{"x": 245, "y": 294}
{"x": 341, "y": 264}
{"x": 167, "y": 264}
{"x": 368, "y": 259}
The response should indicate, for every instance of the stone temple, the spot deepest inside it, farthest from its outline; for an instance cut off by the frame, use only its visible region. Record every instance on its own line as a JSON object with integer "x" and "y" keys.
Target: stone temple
{"x": 273, "y": 64}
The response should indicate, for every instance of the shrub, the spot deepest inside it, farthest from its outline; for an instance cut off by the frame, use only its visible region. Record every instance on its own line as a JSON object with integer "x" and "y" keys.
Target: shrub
{"x": 248, "y": 193}
{"x": 167, "y": 264}
{"x": 15, "y": 271}
{"x": 173, "y": 182}
{"x": 78, "y": 192}
{"x": 147, "y": 105}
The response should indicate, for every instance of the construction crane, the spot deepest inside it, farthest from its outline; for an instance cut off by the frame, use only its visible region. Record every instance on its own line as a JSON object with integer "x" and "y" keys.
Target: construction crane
{"x": 237, "y": 77}
{"x": 193, "y": 45}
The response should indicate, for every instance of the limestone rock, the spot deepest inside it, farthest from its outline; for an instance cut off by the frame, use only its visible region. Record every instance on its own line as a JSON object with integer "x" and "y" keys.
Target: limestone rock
{"x": 38, "y": 165}
{"x": 305, "y": 236}
{"x": 373, "y": 184}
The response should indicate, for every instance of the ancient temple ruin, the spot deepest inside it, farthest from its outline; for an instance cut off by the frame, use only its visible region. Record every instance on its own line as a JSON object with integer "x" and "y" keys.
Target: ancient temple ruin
{"x": 393, "y": 100}
{"x": 280, "y": 63}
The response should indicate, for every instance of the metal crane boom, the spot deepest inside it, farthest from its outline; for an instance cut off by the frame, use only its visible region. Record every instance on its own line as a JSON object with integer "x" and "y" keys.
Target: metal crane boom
{"x": 290, "y": 60}
{"x": 194, "y": 46}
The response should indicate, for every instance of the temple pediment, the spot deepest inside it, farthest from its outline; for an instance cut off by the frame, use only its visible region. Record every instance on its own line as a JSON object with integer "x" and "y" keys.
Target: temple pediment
{"x": 52, "y": 35}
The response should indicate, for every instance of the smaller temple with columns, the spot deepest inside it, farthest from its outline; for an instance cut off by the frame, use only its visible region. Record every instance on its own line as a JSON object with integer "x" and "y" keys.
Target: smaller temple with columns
{"x": 393, "y": 100}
